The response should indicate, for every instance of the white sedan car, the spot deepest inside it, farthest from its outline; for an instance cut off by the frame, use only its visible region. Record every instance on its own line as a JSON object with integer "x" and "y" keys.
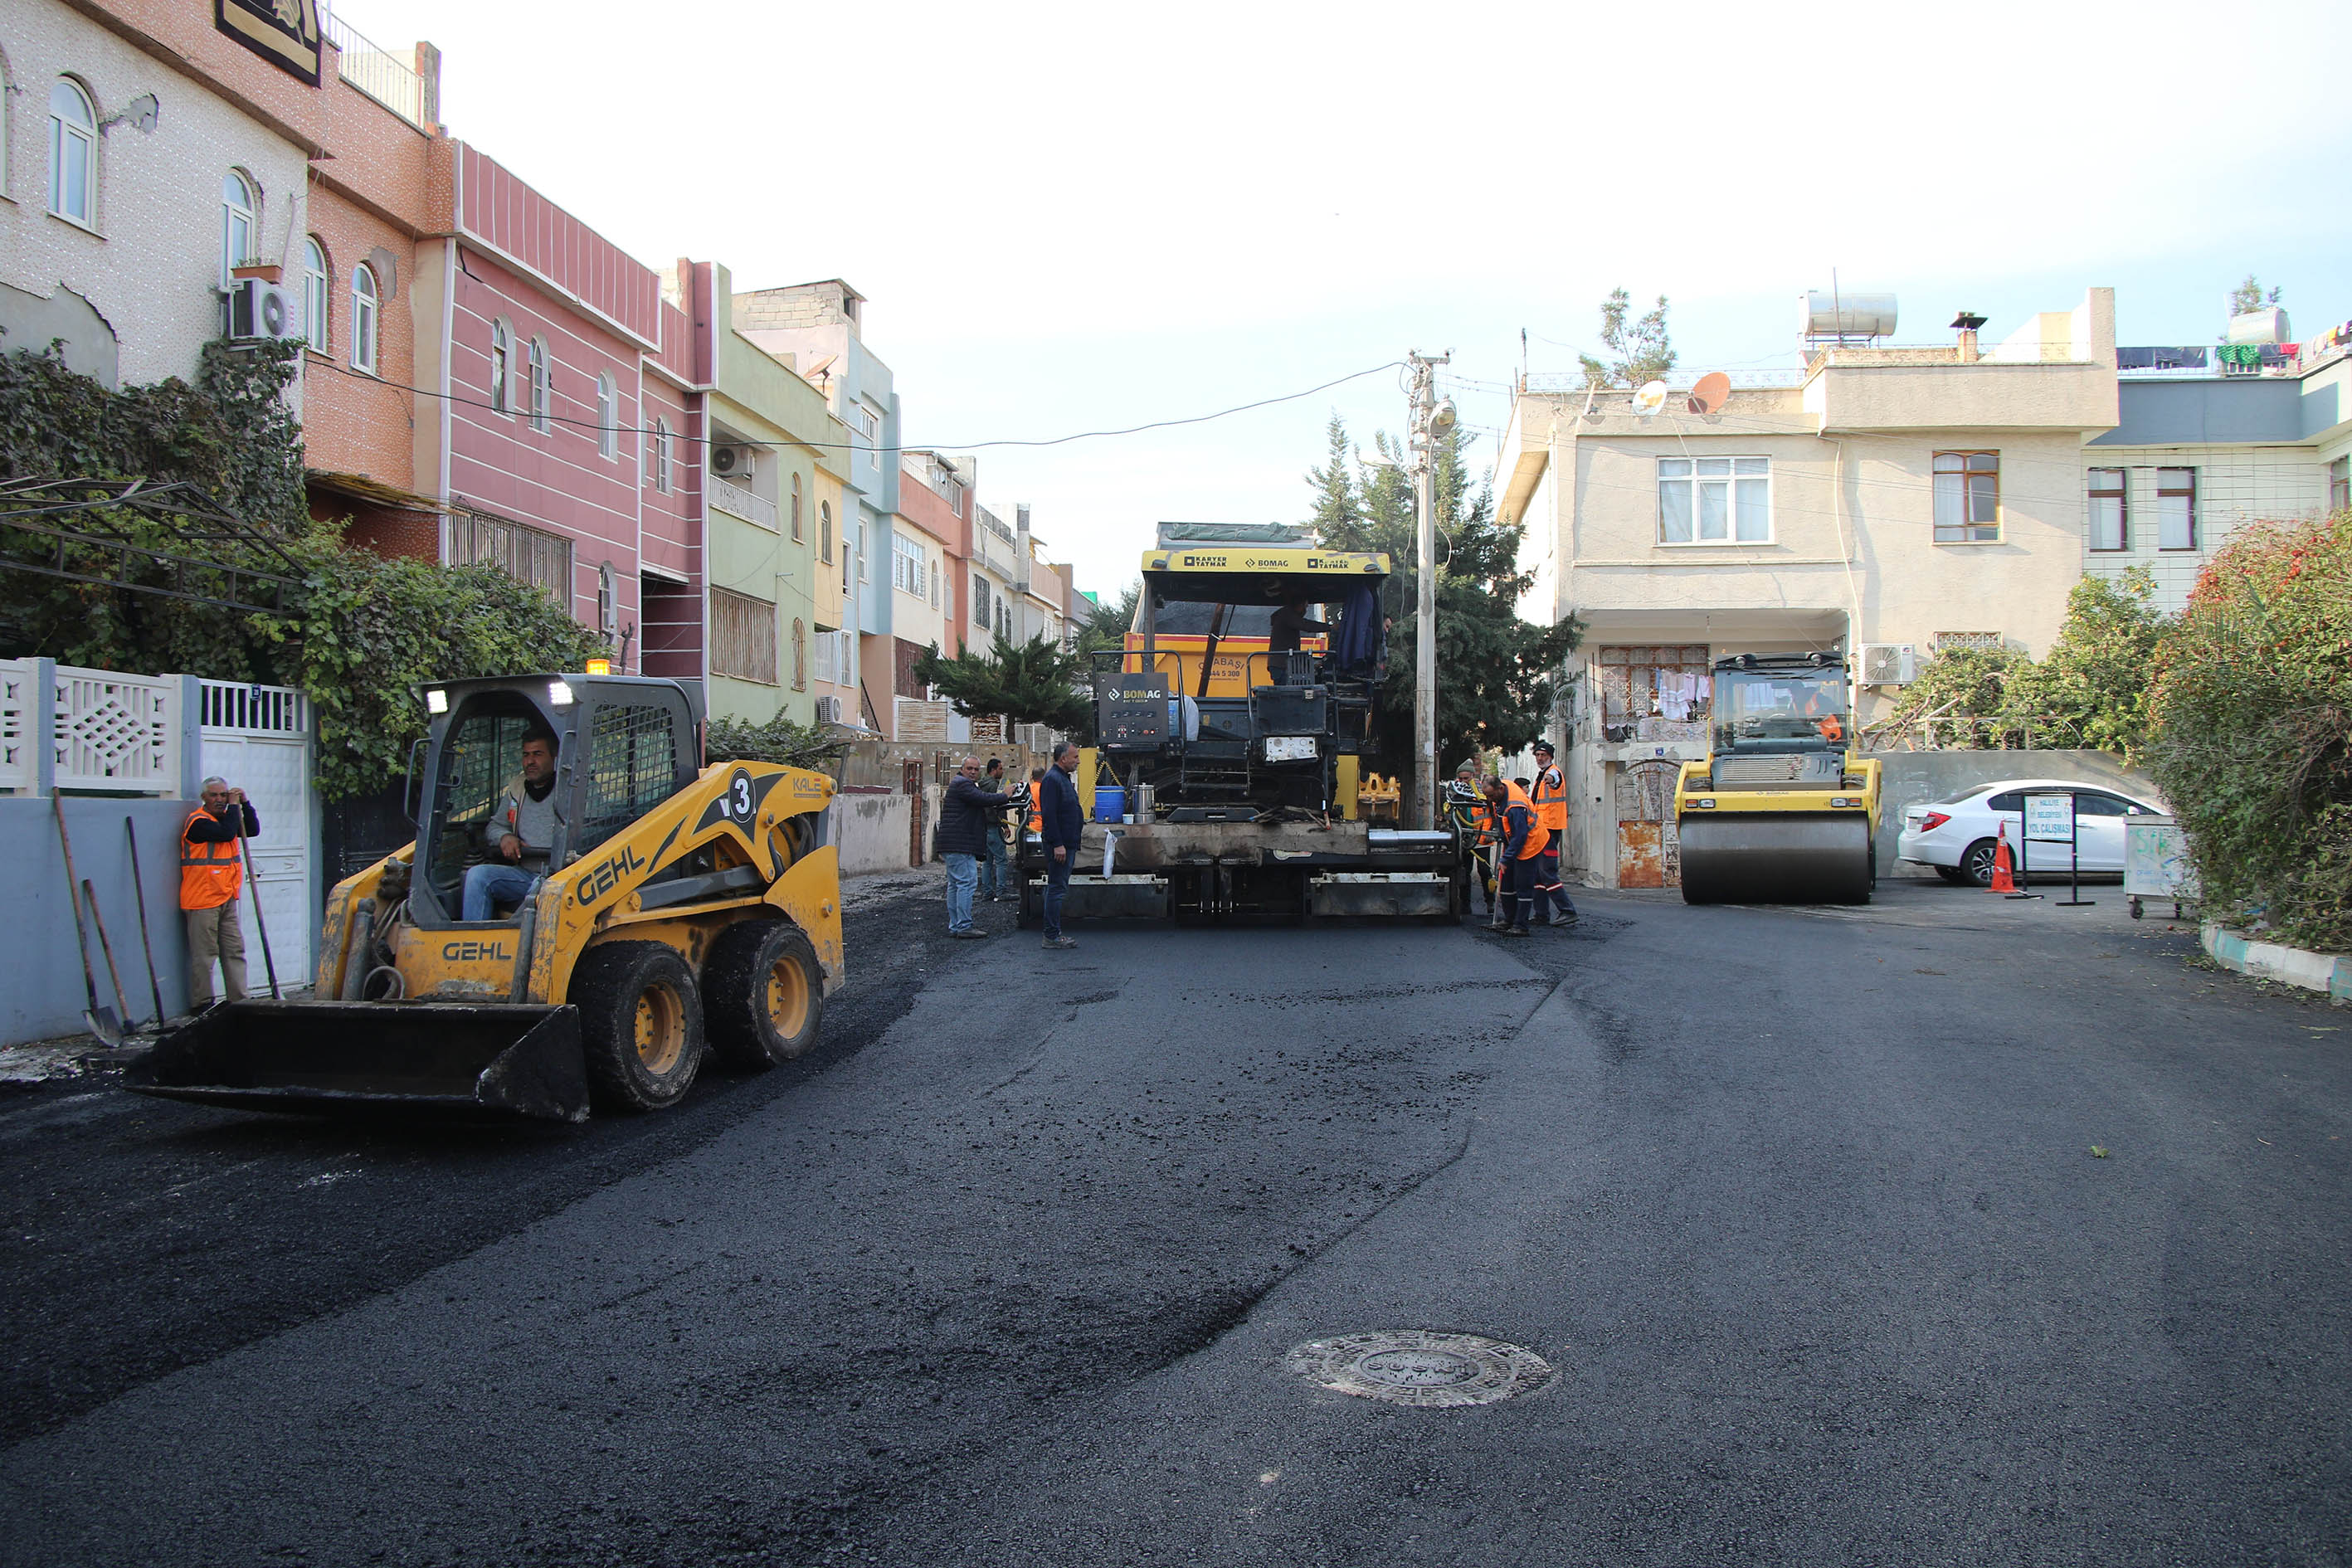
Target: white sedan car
{"x": 1957, "y": 836}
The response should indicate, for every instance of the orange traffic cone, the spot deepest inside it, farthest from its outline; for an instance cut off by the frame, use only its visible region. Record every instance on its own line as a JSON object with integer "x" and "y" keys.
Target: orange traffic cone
{"x": 2002, "y": 880}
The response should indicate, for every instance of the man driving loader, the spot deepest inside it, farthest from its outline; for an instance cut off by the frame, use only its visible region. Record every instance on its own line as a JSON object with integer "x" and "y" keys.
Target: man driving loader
{"x": 521, "y": 831}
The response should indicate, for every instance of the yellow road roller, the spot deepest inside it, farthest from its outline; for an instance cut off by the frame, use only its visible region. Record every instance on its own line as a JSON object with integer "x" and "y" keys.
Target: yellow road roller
{"x": 1780, "y": 812}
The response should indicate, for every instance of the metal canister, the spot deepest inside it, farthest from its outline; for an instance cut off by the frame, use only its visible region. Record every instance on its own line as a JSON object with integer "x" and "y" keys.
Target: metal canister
{"x": 1143, "y": 802}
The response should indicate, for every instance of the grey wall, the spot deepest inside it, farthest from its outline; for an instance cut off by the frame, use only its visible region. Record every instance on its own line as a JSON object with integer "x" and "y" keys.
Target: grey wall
{"x": 40, "y": 970}
{"x": 1922, "y": 778}
{"x": 2188, "y": 413}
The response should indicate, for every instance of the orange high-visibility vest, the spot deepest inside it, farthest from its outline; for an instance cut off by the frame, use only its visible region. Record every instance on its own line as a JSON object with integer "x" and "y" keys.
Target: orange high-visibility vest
{"x": 210, "y": 874}
{"x": 1036, "y": 814}
{"x": 1538, "y": 836}
{"x": 1550, "y": 800}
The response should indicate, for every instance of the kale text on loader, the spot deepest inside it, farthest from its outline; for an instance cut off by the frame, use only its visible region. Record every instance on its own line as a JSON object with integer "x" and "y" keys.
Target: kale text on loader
{"x": 673, "y": 908}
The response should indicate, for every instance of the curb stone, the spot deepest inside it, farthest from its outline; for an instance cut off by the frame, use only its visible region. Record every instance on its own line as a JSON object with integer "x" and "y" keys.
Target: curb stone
{"x": 2271, "y": 961}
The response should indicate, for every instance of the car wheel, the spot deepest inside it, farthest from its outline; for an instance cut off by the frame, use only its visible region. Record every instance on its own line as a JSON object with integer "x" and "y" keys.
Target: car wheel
{"x": 640, "y": 1023}
{"x": 1953, "y": 875}
{"x": 1976, "y": 864}
{"x": 764, "y": 995}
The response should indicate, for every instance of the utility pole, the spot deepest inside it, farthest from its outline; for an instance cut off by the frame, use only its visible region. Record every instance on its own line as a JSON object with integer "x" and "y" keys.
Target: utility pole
{"x": 1432, "y": 421}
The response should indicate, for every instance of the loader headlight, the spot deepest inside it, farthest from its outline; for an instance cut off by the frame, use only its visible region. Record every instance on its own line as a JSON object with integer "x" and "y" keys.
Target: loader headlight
{"x": 559, "y": 692}
{"x": 436, "y": 701}
{"x": 1704, "y": 804}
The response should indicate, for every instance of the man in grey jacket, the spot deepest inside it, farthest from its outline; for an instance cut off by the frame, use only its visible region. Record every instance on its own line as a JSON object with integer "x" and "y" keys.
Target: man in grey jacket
{"x": 520, "y": 833}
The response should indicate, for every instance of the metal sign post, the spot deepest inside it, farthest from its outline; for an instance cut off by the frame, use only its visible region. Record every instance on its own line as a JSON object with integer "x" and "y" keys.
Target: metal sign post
{"x": 2051, "y": 817}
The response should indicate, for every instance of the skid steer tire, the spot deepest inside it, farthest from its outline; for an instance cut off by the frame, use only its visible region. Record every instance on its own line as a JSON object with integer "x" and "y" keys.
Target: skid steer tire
{"x": 763, "y": 994}
{"x": 640, "y": 1023}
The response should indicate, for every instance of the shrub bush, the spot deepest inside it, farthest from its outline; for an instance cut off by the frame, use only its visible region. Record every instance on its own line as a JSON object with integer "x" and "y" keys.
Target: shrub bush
{"x": 2252, "y": 704}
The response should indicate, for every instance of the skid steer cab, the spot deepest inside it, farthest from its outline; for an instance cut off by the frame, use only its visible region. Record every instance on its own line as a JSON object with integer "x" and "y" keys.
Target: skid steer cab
{"x": 649, "y": 909}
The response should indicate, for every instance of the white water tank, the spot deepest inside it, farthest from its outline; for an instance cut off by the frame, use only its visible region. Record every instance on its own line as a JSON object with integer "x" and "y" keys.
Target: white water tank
{"x": 1821, "y": 313}
{"x": 2267, "y": 325}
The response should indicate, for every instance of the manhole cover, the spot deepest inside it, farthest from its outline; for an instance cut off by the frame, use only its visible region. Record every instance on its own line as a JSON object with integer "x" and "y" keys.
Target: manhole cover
{"x": 1414, "y": 1366}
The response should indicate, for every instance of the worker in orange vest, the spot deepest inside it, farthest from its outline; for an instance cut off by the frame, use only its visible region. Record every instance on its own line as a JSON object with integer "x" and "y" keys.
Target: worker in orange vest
{"x": 1036, "y": 783}
{"x": 1523, "y": 843}
{"x": 1550, "y": 797}
{"x": 212, "y": 877}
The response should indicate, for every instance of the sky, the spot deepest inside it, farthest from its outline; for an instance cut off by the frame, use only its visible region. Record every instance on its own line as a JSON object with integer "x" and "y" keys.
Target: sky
{"x": 1070, "y": 218}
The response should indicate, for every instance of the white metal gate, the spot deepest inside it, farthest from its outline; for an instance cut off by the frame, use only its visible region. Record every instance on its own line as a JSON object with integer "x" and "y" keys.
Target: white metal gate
{"x": 258, "y": 739}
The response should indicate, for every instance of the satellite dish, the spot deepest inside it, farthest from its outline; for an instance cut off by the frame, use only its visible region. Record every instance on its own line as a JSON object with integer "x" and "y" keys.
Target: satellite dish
{"x": 1713, "y": 391}
{"x": 1650, "y": 398}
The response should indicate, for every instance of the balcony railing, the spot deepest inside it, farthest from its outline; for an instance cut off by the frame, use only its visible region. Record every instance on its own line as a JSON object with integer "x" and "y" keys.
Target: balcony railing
{"x": 734, "y": 500}
{"x": 379, "y": 73}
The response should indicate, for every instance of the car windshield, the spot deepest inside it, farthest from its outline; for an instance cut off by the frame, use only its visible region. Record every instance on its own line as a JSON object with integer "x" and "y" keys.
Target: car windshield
{"x": 1765, "y": 710}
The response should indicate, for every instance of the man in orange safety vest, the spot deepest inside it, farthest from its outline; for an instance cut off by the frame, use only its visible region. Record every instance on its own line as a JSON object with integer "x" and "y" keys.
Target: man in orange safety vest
{"x": 212, "y": 878}
{"x": 1550, "y": 797}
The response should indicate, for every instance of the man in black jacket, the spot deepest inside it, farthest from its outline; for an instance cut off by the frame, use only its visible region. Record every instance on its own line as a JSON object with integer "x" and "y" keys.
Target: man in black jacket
{"x": 967, "y": 812}
{"x": 1061, "y": 822}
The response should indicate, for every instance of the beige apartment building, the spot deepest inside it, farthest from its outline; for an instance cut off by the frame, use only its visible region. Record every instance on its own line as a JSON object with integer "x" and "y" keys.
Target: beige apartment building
{"x": 1892, "y": 501}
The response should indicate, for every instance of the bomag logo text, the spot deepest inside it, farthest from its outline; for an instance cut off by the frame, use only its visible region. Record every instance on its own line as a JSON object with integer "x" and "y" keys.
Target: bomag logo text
{"x": 476, "y": 951}
{"x": 594, "y": 885}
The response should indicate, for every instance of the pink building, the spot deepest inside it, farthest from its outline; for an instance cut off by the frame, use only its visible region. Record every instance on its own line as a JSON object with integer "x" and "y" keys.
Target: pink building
{"x": 568, "y": 433}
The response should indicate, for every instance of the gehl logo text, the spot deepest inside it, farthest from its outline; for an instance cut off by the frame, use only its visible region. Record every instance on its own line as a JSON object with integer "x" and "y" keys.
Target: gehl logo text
{"x": 594, "y": 885}
{"x": 476, "y": 951}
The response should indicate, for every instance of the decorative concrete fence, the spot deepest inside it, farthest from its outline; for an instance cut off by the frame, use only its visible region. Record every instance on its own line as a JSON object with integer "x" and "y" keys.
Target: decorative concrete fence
{"x": 125, "y": 755}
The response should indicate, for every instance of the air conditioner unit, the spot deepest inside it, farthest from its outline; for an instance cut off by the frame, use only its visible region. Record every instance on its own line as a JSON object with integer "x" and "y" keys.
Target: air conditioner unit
{"x": 828, "y": 709}
{"x": 259, "y": 309}
{"x": 1889, "y": 663}
{"x": 731, "y": 462}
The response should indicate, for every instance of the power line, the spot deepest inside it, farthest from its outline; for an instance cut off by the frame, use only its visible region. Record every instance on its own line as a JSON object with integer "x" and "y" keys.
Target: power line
{"x": 876, "y": 448}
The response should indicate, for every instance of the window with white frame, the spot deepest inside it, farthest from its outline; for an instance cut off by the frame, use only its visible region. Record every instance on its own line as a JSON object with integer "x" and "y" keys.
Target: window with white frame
{"x": 238, "y": 210}
{"x": 318, "y": 287}
{"x": 363, "y": 317}
{"x": 501, "y": 361}
{"x": 869, "y": 425}
{"x": 1715, "y": 501}
{"x": 796, "y": 509}
{"x": 825, "y": 535}
{"x": 2176, "y": 509}
{"x": 857, "y": 548}
{"x": 541, "y": 386}
{"x": 608, "y": 417}
{"x": 1003, "y": 619}
{"x": 907, "y": 566}
{"x": 2110, "y": 511}
{"x": 935, "y": 585}
{"x": 73, "y": 154}
{"x": 657, "y": 463}
{"x": 742, "y": 637}
{"x": 1967, "y": 498}
{"x": 2340, "y": 484}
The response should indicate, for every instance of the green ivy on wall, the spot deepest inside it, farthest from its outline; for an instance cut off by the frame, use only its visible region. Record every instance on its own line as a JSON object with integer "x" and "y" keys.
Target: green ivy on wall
{"x": 360, "y": 634}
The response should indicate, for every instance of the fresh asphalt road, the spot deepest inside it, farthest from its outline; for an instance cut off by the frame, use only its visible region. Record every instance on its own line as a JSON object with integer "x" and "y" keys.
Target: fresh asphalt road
{"x": 1802, "y": 1206}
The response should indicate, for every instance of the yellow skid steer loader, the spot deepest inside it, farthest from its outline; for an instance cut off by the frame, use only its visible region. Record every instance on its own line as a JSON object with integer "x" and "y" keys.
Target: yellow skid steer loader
{"x": 673, "y": 904}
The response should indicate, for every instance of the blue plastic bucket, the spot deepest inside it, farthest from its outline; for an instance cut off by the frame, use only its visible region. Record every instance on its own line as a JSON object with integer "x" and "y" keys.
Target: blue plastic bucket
{"x": 1111, "y": 802}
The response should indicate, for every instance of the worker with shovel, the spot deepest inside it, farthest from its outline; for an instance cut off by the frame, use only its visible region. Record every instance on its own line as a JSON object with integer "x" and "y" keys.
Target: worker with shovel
{"x": 212, "y": 877}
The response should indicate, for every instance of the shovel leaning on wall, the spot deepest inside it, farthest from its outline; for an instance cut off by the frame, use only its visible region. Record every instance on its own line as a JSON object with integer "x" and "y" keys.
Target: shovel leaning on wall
{"x": 99, "y": 1018}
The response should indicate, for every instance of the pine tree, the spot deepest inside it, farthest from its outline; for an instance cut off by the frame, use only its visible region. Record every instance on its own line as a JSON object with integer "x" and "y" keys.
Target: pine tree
{"x": 1338, "y": 514}
{"x": 2249, "y": 295}
{"x": 1643, "y": 350}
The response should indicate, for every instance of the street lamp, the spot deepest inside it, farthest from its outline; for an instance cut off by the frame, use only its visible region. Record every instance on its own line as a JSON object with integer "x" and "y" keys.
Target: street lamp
{"x": 1432, "y": 421}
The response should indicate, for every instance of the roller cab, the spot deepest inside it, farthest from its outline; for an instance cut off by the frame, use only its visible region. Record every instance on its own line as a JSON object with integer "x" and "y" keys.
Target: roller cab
{"x": 1781, "y": 811}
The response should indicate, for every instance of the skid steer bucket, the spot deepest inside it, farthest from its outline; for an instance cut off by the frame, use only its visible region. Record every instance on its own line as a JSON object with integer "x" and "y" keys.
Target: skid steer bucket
{"x": 492, "y": 1062}
{"x": 1795, "y": 857}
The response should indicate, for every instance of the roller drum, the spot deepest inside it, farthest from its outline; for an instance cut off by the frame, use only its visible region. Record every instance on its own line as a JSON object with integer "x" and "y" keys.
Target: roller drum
{"x": 1777, "y": 858}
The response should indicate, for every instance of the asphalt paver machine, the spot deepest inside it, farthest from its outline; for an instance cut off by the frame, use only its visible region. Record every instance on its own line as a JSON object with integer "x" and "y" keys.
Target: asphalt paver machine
{"x": 678, "y": 906}
{"x": 1235, "y": 760}
{"x": 1781, "y": 811}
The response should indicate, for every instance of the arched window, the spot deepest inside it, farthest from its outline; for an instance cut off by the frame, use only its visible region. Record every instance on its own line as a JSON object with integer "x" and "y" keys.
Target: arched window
{"x": 363, "y": 317}
{"x": 800, "y": 655}
{"x": 73, "y": 153}
{"x": 823, "y": 529}
{"x": 539, "y": 385}
{"x": 318, "y": 287}
{"x": 237, "y": 210}
{"x": 660, "y": 464}
{"x": 796, "y": 509}
{"x": 608, "y": 417}
{"x": 501, "y": 357}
